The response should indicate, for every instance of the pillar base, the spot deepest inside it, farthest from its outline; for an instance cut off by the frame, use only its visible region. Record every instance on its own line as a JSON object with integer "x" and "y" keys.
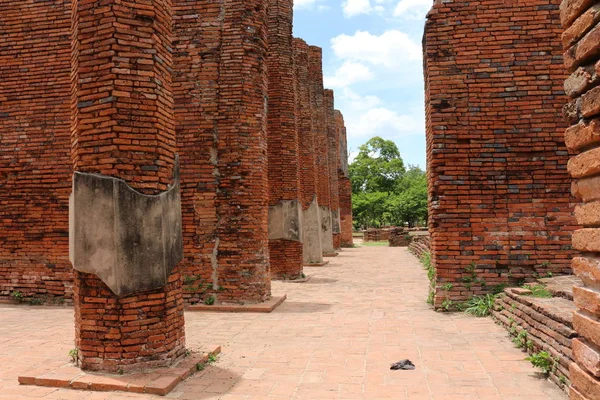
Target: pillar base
{"x": 265, "y": 307}
{"x": 321, "y": 264}
{"x": 159, "y": 381}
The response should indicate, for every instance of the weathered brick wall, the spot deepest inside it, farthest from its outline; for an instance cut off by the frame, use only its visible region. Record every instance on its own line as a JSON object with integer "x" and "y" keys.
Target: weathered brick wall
{"x": 581, "y": 41}
{"x": 333, "y": 155}
{"x": 220, "y": 91}
{"x": 344, "y": 185}
{"x": 498, "y": 186}
{"x": 35, "y": 164}
{"x": 286, "y": 255}
{"x": 122, "y": 126}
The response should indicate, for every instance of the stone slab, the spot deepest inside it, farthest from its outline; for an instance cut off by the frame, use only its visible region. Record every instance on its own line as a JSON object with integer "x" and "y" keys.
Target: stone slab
{"x": 159, "y": 381}
{"x": 265, "y": 307}
{"x": 321, "y": 264}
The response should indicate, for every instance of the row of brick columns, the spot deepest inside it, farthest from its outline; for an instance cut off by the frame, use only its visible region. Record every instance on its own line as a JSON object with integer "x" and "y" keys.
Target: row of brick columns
{"x": 205, "y": 159}
{"x": 581, "y": 41}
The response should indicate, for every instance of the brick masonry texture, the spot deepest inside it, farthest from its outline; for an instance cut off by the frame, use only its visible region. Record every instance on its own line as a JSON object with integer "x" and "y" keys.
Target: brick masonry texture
{"x": 286, "y": 257}
{"x": 35, "y": 174}
{"x": 306, "y": 132}
{"x": 344, "y": 185}
{"x": 317, "y": 103}
{"x": 333, "y": 156}
{"x": 122, "y": 125}
{"x": 582, "y": 58}
{"x": 498, "y": 185}
{"x": 220, "y": 91}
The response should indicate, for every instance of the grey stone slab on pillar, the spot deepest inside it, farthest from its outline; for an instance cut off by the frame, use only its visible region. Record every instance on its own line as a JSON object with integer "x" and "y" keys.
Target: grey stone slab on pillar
{"x": 130, "y": 240}
{"x": 285, "y": 221}
{"x": 312, "y": 248}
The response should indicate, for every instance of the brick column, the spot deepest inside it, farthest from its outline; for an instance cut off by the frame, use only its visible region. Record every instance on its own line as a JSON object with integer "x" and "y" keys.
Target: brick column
{"x": 311, "y": 222}
{"x": 285, "y": 225}
{"x": 344, "y": 185}
{"x": 333, "y": 154}
{"x": 197, "y": 31}
{"x": 124, "y": 243}
{"x": 220, "y": 87}
{"x": 241, "y": 249}
{"x": 317, "y": 104}
{"x": 581, "y": 41}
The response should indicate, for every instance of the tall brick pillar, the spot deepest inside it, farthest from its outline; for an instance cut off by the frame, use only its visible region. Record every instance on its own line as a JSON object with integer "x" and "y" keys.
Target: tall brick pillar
{"x": 333, "y": 154}
{"x": 581, "y": 41}
{"x": 220, "y": 91}
{"x": 285, "y": 211}
{"x": 125, "y": 233}
{"x": 242, "y": 196}
{"x": 499, "y": 204}
{"x": 344, "y": 185}
{"x": 311, "y": 221}
{"x": 317, "y": 104}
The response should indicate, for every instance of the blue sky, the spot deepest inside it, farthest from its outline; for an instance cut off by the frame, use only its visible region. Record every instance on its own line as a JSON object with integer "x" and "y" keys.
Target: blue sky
{"x": 372, "y": 59}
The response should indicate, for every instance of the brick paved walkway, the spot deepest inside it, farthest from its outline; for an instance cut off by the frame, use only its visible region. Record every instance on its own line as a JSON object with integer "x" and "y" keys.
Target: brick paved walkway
{"x": 334, "y": 338}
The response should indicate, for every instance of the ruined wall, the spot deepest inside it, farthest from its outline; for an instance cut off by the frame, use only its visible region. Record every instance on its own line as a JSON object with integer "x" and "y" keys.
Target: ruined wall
{"x": 311, "y": 220}
{"x": 581, "y": 41}
{"x": 35, "y": 165}
{"x": 498, "y": 186}
{"x": 344, "y": 185}
{"x": 285, "y": 235}
{"x": 220, "y": 91}
{"x": 333, "y": 155}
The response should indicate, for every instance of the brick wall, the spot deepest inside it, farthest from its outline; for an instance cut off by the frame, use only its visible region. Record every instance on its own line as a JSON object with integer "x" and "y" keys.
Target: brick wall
{"x": 220, "y": 91}
{"x": 286, "y": 256}
{"x": 122, "y": 126}
{"x": 333, "y": 155}
{"x": 35, "y": 164}
{"x": 581, "y": 41}
{"x": 344, "y": 185}
{"x": 498, "y": 186}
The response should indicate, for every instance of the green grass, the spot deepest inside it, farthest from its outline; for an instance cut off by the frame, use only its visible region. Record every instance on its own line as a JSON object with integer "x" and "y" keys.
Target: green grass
{"x": 376, "y": 244}
{"x": 538, "y": 291}
{"x": 480, "y": 306}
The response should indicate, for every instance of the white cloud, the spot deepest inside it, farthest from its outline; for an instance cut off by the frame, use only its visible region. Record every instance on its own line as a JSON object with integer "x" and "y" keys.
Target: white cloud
{"x": 381, "y": 121}
{"x": 413, "y": 8}
{"x": 358, "y": 103}
{"x": 350, "y": 72}
{"x": 352, "y": 8}
{"x": 392, "y": 48}
{"x": 310, "y": 4}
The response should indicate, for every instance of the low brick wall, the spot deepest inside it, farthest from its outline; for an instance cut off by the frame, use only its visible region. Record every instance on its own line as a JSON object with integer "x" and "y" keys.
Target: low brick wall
{"x": 420, "y": 244}
{"x": 548, "y": 326}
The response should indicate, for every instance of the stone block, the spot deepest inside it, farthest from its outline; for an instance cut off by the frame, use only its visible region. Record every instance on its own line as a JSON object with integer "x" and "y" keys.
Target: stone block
{"x": 131, "y": 241}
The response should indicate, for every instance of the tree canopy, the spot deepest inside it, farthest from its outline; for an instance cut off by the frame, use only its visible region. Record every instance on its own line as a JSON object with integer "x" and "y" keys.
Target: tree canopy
{"x": 384, "y": 192}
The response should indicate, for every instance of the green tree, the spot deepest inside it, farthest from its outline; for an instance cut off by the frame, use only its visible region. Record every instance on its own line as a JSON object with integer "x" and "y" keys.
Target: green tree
{"x": 384, "y": 192}
{"x": 378, "y": 167}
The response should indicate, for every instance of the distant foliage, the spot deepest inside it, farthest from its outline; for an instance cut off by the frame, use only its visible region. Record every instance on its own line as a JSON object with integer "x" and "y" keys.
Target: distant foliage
{"x": 384, "y": 192}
